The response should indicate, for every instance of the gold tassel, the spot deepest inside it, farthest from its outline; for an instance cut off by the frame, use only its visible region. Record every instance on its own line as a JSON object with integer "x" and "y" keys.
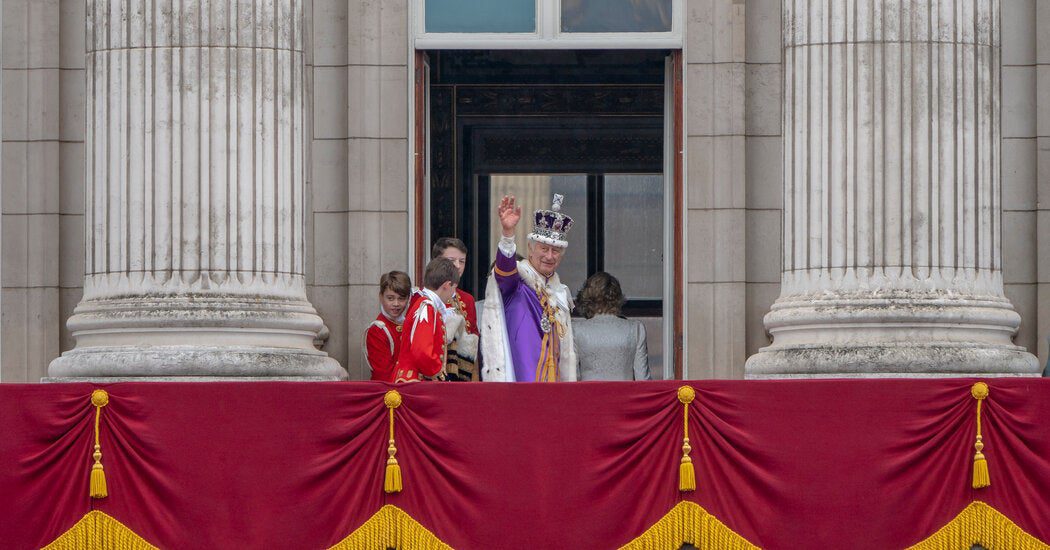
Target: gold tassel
{"x": 979, "y": 391}
{"x": 392, "y": 481}
{"x": 686, "y": 473}
{"x": 99, "y": 398}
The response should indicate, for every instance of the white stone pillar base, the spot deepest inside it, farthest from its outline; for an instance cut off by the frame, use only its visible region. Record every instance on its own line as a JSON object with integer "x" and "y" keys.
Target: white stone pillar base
{"x": 869, "y": 335}
{"x": 196, "y": 336}
{"x": 193, "y": 364}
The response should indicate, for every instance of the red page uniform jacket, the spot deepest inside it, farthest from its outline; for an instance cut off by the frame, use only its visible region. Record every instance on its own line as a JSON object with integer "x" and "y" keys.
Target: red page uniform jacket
{"x": 422, "y": 340}
{"x": 382, "y": 347}
{"x": 463, "y": 349}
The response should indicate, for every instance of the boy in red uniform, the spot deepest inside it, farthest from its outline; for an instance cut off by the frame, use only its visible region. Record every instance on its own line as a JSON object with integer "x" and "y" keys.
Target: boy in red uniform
{"x": 383, "y": 336}
{"x": 427, "y": 322}
{"x": 463, "y": 351}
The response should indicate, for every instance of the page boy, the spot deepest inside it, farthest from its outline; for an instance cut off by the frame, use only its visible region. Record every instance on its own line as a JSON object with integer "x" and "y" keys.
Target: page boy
{"x": 383, "y": 337}
{"x": 428, "y": 325}
{"x": 463, "y": 351}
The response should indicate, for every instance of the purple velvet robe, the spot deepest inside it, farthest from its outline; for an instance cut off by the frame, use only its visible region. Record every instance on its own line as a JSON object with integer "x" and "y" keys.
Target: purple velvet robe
{"x": 523, "y": 313}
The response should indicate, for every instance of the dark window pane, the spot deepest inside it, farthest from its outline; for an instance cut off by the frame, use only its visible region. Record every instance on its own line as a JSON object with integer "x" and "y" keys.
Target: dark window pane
{"x": 634, "y": 233}
{"x": 615, "y": 15}
{"x": 535, "y": 191}
{"x": 480, "y": 16}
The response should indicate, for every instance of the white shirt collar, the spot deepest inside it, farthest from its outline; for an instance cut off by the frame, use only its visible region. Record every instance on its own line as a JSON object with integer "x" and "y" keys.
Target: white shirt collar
{"x": 400, "y": 320}
{"x": 435, "y": 299}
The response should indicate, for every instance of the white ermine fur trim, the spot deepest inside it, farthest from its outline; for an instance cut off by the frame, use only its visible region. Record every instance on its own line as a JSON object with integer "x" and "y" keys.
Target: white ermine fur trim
{"x": 497, "y": 365}
{"x": 547, "y": 240}
{"x": 453, "y": 325}
{"x": 467, "y": 346}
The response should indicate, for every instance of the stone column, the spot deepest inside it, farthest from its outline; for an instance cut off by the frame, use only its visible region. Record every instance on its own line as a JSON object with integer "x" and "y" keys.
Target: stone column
{"x": 892, "y": 207}
{"x": 195, "y": 198}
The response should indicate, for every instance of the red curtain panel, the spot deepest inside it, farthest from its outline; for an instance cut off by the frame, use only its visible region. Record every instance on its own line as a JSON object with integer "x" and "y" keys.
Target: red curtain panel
{"x": 818, "y": 463}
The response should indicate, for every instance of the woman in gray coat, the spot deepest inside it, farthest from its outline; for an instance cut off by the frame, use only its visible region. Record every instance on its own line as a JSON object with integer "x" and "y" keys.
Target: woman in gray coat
{"x": 609, "y": 346}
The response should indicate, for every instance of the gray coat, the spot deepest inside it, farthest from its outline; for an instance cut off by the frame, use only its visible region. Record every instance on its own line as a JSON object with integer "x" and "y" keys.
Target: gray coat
{"x": 611, "y": 348}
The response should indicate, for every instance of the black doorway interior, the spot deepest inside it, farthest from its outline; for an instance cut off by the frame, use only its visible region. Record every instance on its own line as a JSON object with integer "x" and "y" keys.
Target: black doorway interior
{"x": 592, "y": 121}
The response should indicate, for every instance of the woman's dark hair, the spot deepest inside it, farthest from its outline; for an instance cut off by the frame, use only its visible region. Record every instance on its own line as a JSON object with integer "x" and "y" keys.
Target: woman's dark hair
{"x": 601, "y": 294}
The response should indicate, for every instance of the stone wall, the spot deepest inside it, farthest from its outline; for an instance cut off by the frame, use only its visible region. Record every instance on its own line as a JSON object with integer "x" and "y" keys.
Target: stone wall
{"x": 1019, "y": 166}
{"x": 715, "y": 188}
{"x": 360, "y": 163}
{"x": 1039, "y": 24}
{"x": 42, "y": 182}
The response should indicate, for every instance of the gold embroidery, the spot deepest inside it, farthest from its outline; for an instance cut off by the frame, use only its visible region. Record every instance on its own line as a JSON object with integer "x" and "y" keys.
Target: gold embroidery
{"x": 502, "y": 273}
{"x": 550, "y": 345}
{"x": 461, "y": 308}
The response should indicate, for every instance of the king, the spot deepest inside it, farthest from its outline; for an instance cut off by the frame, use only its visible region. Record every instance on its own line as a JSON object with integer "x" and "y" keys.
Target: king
{"x": 526, "y": 324}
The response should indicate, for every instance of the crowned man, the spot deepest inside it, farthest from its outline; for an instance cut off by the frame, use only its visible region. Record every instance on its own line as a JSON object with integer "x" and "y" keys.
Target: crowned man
{"x": 526, "y": 328}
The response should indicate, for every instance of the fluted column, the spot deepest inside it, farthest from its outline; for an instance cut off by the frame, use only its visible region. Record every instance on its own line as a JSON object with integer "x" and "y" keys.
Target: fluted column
{"x": 195, "y": 198}
{"x": 892, "y": 231}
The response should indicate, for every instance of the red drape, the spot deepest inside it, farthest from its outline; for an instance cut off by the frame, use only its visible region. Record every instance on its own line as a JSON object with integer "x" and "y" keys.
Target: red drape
{"x": 826, "y": 463}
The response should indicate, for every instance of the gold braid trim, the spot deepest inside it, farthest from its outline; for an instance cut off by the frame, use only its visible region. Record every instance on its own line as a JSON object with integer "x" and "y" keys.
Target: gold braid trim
{"x": 391, "y": 527}
{"x": 97, "y": 487}
{"x": 502, "y": 273}
{"x": 392, "y": 480}
{"x": 689, "y": 523}
{"x": 98, "y": 530}
{"x": 980, "y": 463}
{"x": 981, "y": 524}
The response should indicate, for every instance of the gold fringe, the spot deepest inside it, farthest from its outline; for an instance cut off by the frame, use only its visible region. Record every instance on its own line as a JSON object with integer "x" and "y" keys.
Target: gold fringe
{"x": 689, "y": 523}
{"x": 981, "y": 524}
{"x": 97, "y": 486}
{"x": 391, "y": 527}
{"x": 686, "y": 472}
{"x": 979, "y": 391}
{"x": 97, "y": 530}
{"x": 392, "y": 480}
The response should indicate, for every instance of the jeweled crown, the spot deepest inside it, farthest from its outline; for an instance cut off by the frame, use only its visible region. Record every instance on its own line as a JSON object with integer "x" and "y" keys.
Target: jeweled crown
{"x": 552, "y": 225}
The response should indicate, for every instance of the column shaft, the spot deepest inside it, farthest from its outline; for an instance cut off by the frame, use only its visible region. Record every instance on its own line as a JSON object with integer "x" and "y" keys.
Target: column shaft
{"x": 195, "y": 194}
{"x": 892, "y": 193}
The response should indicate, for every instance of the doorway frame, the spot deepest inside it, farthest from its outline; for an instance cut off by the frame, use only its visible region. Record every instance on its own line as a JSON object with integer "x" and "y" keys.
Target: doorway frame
{"x": 418, "y": 152}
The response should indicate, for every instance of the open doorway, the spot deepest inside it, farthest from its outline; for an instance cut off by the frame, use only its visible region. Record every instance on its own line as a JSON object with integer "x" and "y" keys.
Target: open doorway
{"x": 590, "y": 125}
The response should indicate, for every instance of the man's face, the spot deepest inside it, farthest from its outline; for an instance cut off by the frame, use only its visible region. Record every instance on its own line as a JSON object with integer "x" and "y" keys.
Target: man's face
{"x": 459, "y": 259}
{"x": 446, "y": 291}
{"x": 393, "y": 303}
{"x": 545, "y": 258}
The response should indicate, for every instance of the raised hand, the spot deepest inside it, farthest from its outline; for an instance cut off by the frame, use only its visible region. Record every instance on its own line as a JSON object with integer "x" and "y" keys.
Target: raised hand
{"x": 509, "y": 215}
